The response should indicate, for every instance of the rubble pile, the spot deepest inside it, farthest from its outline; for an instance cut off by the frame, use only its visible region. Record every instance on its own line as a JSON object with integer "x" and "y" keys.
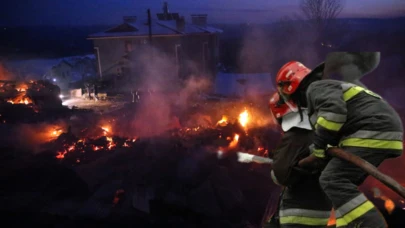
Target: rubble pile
{"x": 30, "y": 101}
{"x": 92, "y": 169}
{"x": 87, "y": 170}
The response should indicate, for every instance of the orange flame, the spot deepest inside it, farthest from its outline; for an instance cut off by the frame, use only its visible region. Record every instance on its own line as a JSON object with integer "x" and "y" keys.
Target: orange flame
{"x": 332, "y": 218}
{"x": 21, "y": 97}
{"x": 55, "y": 133}
{"x": 223, "y": 121}
{"x": 106, "y": 130}
{"x": 234, "y": 142}
{"x": 388, "y": 204}
{"x": 61, "y": 155}
{"x": 244, "y": 118}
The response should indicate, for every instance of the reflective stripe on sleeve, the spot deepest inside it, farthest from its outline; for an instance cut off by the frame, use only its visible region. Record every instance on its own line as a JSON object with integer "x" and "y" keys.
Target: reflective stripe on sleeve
{"x": 334, "y": 117}
{"x": 354, "y": 90}
{"x": 388, "y": 135}
{"x": 329, "y": 125}
{"x": 320, "y": 153}
{"x": 372, "y": 143}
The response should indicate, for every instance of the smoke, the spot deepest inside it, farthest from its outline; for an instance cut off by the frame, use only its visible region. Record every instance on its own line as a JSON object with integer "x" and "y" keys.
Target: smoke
{"x": 294, "y": 40}
{"x": 5, "y": 74}
{"x": 256, "y": 53}
{"x": 165, "y": 96}
{"x": 31, "y": 137}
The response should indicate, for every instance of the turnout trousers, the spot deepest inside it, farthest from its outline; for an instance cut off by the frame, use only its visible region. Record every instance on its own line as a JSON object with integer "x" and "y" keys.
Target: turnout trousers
{"x": 340, "y": 180}
{"x": 305, "y": 205}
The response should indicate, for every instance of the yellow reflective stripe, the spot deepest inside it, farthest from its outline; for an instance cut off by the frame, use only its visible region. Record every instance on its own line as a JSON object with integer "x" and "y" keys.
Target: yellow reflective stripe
{"x": 332, "y": 126}
{"x": 350, "y": 205}
{"x": 354, "y": 214}
{"x": 304, "y": 220}
{"x": 372, "y": 143}
{"x": 350, "y": 93}
{"x": 382, "y": 135}
{"x": 320, "y": 153}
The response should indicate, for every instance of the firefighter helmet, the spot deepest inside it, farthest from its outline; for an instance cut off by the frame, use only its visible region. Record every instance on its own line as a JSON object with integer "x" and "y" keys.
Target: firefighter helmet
{"x": 278, "y": 107}
{"x": 290, "y": 76}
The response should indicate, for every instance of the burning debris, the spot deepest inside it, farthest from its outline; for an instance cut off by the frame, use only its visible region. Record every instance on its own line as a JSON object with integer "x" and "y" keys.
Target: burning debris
{"x": 29, "y": 93}
{"x": 90, "y": 142}
{"x": 31, "y": 101}
{"x": 186, "y": 166}
{"x": 179, "y": 166}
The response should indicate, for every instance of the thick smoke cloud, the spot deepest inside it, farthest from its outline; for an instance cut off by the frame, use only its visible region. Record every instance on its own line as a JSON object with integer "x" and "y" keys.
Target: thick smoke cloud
{"x": 165, "y": 95}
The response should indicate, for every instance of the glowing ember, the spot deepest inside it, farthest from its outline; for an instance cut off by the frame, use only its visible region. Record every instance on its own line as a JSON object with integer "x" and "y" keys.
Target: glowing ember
{"x": 388, "y": 204}
{"x": 61, "y": 155}
{"x": 244, "y": 118}
{"x": 223, "y": 121}
{"x": 106, "y": 130}
{"x": 111, "y": 145}
{"x": 56, "y": 133}
{"x": 117, "y": 196}
{"x": 21, "y": 96}
{"x": 234, "y": 142}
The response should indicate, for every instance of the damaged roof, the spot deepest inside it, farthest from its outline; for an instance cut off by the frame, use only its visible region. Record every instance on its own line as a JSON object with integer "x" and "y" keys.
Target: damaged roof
{"x": 159, "y": 28}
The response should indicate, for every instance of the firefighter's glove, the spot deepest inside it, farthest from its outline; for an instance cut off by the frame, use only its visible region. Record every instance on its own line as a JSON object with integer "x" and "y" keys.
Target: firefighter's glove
{"x": 315, "y": 161}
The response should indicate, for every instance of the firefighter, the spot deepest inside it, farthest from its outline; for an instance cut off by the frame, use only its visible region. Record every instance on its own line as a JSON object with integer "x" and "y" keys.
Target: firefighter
{"x": 303, "y": 203}
{"x": 353, "y": 118}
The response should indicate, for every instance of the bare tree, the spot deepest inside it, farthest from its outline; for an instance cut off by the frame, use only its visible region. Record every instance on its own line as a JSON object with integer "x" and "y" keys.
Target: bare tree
{"x": 321, "y": 13}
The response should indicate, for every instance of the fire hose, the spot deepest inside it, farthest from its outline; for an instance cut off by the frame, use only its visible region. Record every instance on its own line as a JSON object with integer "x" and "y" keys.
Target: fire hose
{"x": 339, "y": 153}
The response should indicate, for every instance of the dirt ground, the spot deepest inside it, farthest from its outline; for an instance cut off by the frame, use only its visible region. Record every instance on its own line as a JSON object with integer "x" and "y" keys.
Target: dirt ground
{"x": 104, "y": 106}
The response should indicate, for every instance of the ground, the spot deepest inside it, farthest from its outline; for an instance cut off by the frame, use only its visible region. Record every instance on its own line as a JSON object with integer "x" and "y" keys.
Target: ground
{"x": 97, "y": 106}
{"x": 94, "y": 166}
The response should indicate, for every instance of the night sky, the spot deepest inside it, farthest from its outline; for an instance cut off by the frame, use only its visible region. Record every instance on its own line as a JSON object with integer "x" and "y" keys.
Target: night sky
{"x": 87, "y": 12}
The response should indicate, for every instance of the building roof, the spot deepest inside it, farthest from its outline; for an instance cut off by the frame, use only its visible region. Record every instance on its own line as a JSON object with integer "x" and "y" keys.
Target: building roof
{"x": 159, "y": 28}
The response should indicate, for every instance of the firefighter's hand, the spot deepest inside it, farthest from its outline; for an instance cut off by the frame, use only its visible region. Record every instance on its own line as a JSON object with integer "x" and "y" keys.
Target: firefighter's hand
{"x": 312, "y": 163}
{"x": 315, "y": 161}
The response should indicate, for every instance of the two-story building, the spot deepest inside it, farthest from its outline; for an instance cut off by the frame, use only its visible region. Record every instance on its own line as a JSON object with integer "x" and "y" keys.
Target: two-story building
{"x": 181, "y": 42}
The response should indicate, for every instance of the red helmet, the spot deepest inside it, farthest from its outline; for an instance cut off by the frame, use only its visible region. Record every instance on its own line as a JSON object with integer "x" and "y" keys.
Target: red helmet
{"x": 278, "y": 107}
{"x": 290, "y": 76}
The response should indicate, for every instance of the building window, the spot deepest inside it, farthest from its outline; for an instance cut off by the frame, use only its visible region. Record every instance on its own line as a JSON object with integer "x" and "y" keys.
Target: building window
{"x": 128, "y": 46}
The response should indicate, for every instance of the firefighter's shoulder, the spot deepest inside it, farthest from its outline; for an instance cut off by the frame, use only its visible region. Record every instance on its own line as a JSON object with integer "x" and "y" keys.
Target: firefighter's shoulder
{"x": 323, "y": 84}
